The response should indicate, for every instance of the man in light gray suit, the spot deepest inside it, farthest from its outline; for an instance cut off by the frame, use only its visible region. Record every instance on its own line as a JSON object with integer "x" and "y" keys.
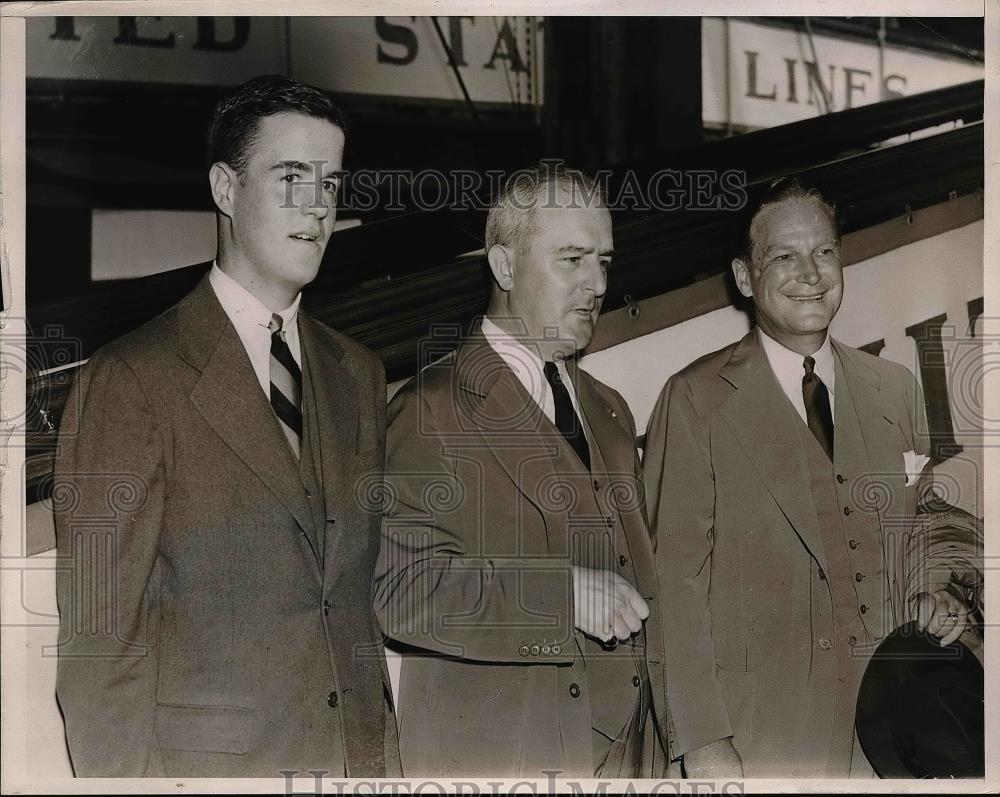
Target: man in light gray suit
{"x": 782, "y": 475}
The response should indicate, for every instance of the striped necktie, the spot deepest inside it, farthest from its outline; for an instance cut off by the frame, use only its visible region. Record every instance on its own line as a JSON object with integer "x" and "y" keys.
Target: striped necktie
{"x": 286, "y": 386}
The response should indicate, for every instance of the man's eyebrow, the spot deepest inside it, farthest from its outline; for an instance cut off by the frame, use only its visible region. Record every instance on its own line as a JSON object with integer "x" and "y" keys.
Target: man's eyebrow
{"x": 292, "y": 165}
{"x": 571, "y": 249}
{"x": 302, "y": 166}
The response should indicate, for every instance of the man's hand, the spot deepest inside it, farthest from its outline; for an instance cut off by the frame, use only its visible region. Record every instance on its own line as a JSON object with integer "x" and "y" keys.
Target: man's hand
{"x": 718, "y": 760}
{"x": 606, "y": 604}
{"x": 942, "y": 615}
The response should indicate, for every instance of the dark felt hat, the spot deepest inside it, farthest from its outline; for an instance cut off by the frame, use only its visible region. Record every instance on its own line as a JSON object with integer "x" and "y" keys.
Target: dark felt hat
{"x": 920, "y": 708}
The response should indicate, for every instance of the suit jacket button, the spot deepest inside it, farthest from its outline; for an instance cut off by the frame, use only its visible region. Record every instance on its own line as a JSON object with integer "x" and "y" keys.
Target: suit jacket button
{"x": 622, "y": 559}
{"x": 847, "y": 510}
{"x": 546, "y": 650}
{"x": 840, "y": 479}
{"x": 331, "y": 699}
{"x": 635, "y": 680}
{"x": 852, "y": 641}
{"x": 864, "y": 609}
{"x": 535, "y": 650}
{"x": 858, "y": 577}
{"x": 326, "y": 607}
{"x": 574, "y": 690}
{"x": 825, "y": 643}
{"x": 523, "y": 650}
{"x": 556, "y": 650}
{"x": 853, "y": 544}
{"x": 331, "y": 520}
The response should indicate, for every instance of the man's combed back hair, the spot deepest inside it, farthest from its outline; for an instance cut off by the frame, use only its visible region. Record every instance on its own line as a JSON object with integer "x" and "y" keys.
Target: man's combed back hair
{"x": 511, "y": 220}
{"x": 780, "y": 190}
{"x": 234, "y": 122}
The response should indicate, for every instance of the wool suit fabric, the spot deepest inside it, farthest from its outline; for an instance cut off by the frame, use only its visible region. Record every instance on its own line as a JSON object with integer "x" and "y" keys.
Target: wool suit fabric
{"x": 488, "y": 508}
{"x": 779, "y": 571}
{"x": 215, "y": 607}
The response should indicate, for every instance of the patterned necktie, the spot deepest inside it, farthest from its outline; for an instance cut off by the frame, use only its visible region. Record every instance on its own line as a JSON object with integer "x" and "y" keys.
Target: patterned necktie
{"x": 286, "y": 386}
{"x": 567, "y": 421}
{"x": 817, "y": 401}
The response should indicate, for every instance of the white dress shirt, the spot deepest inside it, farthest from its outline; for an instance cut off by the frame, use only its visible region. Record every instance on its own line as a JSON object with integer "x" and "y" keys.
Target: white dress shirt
{"x": 251, "y": 317}
{"x": 528, "y": 367}
{"x": 788, "y": 366}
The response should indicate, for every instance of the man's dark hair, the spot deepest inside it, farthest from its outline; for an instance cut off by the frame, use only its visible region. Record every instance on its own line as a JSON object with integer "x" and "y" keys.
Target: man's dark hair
{"x": 779, "y": 190}
{"x": 233, "y": 129}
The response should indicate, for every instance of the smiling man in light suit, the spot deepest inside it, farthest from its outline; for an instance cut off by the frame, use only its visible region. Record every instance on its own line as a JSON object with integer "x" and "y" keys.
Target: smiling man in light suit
{"x": 217, "y": 619}
{"x": 515, "y": 557}
{"x": 782, "y": 480}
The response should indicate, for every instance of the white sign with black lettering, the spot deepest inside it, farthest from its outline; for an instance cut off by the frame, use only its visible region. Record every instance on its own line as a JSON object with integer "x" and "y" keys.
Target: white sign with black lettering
{"x": 756, "y": 76}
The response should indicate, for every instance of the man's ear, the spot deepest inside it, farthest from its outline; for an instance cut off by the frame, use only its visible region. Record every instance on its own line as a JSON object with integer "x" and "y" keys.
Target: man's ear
{"x": 502, "y": 265}
{"x": 223, "y": 181}
{"x": 741, "y": 271}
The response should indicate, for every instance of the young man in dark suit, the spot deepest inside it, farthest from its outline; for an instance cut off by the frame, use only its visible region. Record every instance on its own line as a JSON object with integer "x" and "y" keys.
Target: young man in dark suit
{"x": 216, "y": 617}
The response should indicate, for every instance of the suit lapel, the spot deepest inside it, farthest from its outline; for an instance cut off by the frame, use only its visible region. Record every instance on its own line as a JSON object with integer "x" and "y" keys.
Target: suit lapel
{"x": 617, "y": 450}
{"x": 336, "y": 401}
{"x": 763, "y": 421}
{"x": 229, "y": 397}
{"x": 520, "y": 437}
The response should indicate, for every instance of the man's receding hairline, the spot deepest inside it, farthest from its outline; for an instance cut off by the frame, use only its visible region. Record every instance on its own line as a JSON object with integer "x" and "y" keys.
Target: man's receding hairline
{"x": 816, "y": 199}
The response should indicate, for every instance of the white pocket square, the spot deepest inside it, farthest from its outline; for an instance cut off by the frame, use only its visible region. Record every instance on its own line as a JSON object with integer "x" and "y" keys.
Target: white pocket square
{"x": 914, "y": 465}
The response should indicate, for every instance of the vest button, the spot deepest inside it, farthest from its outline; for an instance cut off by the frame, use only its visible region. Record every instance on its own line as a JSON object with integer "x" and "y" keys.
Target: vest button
{"x": 326, "y": 607}
{"x": 331, "y": 520}
{"x": 852, "y": 641}
{"x": 609, "y": 521}
{"x": 535, "y": 650}
{"x": 847, "y": 510}
{"x": 822, "y": 575}
{"x": 597, "y": 485}
{"x": 825, "y": 643}
{"x": 523, "y": 650}
{"x": 864, "y": 609}
{"x": 840, "y": 479}
{"x": 332, "y": 699}
{"x": 853, "y": 544}
{"x": 622, "y": 559}
{"x": 858, "y": 577}
{"x": 574, "y": 690}
{"x": 635, "y": 680}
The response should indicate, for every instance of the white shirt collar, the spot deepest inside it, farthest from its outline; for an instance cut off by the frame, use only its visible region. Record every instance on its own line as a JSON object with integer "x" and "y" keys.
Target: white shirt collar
{"x": 240, "y": 304}
{"x": 788, "y": 368}
{"x": 251, "y": 318}
{"x": 528, "y": 366}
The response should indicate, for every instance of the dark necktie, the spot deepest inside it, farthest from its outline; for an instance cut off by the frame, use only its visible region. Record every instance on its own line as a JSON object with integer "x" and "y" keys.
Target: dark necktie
{"x": 286, "y": 386}
{"x": 567, "y": 421}
{"x": 817, "y": 401}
